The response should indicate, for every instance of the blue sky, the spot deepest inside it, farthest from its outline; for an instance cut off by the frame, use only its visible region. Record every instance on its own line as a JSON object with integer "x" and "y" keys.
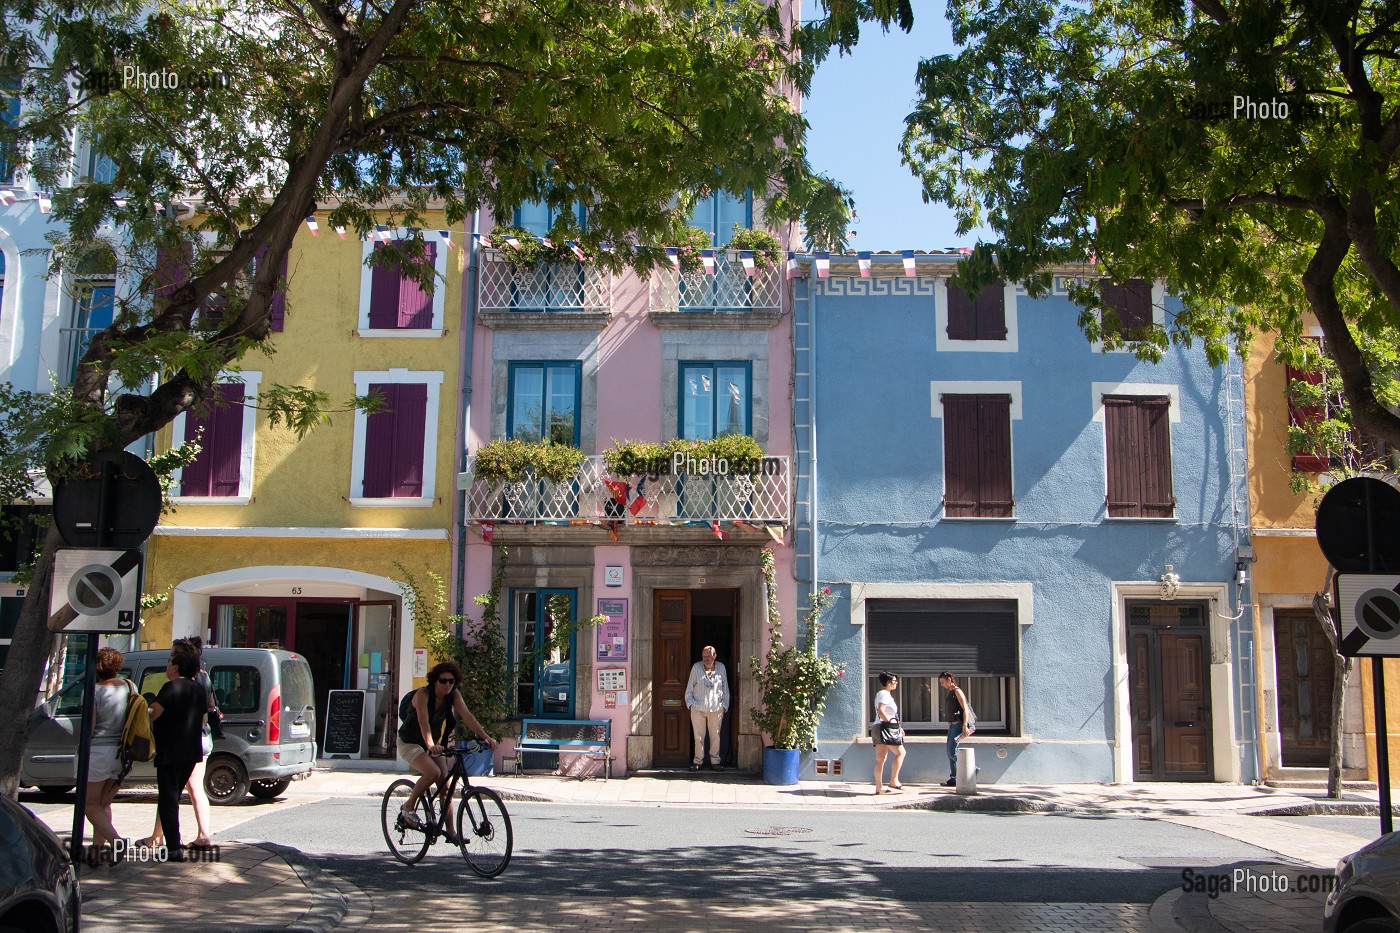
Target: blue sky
{"x": 857, "y": 110}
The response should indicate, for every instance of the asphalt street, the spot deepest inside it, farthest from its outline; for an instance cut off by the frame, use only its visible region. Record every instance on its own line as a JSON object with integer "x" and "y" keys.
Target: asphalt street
{"x": 655, "y": 852}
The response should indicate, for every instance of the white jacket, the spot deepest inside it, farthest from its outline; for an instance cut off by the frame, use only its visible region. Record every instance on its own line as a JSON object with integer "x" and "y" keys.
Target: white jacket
{"x": 708, "y": 693}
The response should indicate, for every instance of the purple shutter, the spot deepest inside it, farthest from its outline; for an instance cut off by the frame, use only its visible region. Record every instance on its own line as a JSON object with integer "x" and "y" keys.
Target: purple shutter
{"x": 960, "y": 455}
{"x": 172, "y": 270}
{"x": 415, "y": 303}
{"x": 990, "y": 312}
{"x": 409, "y": 426}
{"x": 994, "y": 456}
{"x": 277, "y": 310}
{"x": 384, "y": 297}
{"x": 962, "y": 323}
{"x": 379, "y": 443}
{"x": 215, "y": 472}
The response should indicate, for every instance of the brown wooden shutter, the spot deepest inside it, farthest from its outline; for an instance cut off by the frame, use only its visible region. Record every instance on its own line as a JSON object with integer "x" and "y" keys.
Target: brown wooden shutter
{"x": 990, "y": 310}
{"x": 962, "y": 319}
{"x": 977, "y": 456}
{"x": 1131, "y": 301}
{"x": 1137, "y": 434}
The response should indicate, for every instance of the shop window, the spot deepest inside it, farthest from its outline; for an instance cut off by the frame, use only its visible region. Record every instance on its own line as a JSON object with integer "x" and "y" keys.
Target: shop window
{"x": 917, "y": 639}
{"x": 546, "y": 686}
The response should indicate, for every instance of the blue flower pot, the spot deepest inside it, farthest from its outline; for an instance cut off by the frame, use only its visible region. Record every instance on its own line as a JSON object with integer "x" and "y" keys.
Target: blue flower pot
{"x": 781, "y": 765}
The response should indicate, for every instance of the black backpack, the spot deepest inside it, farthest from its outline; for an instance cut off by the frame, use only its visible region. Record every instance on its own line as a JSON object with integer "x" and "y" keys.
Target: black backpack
{"x": 406, "y": 706}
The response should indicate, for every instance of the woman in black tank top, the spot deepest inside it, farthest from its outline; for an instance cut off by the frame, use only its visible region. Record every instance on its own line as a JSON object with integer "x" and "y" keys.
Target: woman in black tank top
{"x": 957, "y": 712}
{"x": 437, "y": 708}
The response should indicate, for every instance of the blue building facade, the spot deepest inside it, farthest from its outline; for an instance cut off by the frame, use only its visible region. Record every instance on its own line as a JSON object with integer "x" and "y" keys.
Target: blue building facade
{"x": 988, "y": 492}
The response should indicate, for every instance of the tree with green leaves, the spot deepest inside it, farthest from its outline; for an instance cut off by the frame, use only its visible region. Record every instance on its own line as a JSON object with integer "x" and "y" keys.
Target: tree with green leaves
{"x": 1243, "y": 151}
{"x": 255, "y": 116}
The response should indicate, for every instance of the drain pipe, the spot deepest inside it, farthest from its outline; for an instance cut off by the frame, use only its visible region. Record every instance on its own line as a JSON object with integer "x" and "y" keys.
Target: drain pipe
{"x": 459, "y": 531}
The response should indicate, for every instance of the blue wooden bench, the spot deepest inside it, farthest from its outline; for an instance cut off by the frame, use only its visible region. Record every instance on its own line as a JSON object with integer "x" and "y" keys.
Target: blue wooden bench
{"x": 565, "y": 737}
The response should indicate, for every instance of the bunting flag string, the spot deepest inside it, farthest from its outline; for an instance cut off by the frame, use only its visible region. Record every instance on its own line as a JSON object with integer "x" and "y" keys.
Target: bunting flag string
{"x": 640, "y": 502}
{"x": 7, "y": 197}
{"x": 823, "y": 260}
{"x": 863, "y": 261}
{"x": 707, "y": 258}
{"x": 488, "y": 531}
{"x": 674, "y": 254}
{"x": 311, "y": 224}
{"x": 483, "y": 240}
{"x": 46, "y": 205}
{"x": 746, "y": 257}
{"x": 909, "y": 270}
{"x": 791, "y": 264}
{"x": 574, "y": 247}
{"x": 446, "y": 237}
{"x": 341, "y": 232}
{"x": 719, "y": 532}
{"x": 776, "y": 533}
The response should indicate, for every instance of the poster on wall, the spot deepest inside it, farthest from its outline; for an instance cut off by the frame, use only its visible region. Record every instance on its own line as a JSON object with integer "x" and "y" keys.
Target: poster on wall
{"x": 612, "y": 633}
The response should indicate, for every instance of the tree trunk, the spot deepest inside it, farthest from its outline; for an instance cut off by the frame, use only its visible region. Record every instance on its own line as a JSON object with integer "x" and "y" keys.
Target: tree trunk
{"x": 24, "y": 666}
{"x": 1341, "y": 669}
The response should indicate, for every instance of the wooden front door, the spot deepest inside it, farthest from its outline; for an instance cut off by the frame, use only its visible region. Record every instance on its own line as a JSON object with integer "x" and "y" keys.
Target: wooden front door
{"x": 1303, "y": 657}
{"x": 1169, "y": 670}
{"x": 671, "y": 739}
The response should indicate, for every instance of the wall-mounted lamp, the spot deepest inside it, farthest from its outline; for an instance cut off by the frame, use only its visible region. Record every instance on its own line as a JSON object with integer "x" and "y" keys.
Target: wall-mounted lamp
{"x": 1241, "y": 573}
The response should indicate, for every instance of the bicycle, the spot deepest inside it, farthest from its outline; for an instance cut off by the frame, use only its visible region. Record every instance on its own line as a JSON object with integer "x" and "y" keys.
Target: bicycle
{"x": 483, "y": 830}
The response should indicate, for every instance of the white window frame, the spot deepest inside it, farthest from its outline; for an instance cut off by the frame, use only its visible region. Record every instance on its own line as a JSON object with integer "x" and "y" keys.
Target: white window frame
{"x": 1011, "y": 343}
{"x": 367, "y": 281}
{"x": 251, "y": 381}
{"x": 363, "y": 380}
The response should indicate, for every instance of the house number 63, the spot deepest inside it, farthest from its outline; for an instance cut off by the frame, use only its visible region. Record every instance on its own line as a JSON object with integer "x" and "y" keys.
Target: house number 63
{"x": 296, "y": 591}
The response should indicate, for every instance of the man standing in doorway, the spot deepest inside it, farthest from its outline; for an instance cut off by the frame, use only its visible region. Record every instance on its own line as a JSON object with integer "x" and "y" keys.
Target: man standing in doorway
{"x": 707, "y": 696}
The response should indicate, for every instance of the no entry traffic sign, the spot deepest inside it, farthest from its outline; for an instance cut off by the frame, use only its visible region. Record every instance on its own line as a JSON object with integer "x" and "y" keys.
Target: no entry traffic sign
{"x": 1368, "y": 613}
{"x": 94, "y": 590}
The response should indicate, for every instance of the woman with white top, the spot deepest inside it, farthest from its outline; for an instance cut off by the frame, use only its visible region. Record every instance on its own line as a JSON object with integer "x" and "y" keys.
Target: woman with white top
{"x": 886, "y": 710}
{"x": 105, "y": 760}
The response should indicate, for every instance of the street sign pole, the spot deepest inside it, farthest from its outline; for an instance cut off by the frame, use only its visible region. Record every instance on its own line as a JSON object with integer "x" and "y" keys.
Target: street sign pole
{"x": 89, "y": 691}
{"x": 1378, "y": 685}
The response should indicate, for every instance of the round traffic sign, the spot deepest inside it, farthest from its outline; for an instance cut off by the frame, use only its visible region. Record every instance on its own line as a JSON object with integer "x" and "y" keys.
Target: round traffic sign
{"x": 94, "y": 590}
{"x": 1378, "y": 613}
{"x": 132, "y": 501}
{"x": 1358, "y": 526}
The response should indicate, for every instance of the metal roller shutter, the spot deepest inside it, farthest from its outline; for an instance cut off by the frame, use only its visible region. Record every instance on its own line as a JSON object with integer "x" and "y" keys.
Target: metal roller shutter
{"x": 922, "y": 637}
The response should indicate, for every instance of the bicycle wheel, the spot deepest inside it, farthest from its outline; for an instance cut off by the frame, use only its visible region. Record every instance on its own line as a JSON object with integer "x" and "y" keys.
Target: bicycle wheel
{"x": 406, "y": 843}
{"x": 483, "y": 826}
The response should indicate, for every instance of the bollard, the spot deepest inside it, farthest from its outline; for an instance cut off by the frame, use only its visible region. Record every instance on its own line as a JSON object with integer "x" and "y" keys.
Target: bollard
{"x": 967, "y": 770}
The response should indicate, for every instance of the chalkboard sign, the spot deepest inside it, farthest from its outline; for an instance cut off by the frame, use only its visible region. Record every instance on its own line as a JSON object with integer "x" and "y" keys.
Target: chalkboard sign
{"x": 345, "y": 724}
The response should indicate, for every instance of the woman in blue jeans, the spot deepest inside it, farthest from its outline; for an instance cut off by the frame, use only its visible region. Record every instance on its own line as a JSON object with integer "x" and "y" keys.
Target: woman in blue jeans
{"x": 958, "y": 712}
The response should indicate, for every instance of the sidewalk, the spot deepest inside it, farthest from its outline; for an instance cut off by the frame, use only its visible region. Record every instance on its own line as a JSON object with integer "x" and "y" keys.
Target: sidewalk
{"x": 287, "y": 885}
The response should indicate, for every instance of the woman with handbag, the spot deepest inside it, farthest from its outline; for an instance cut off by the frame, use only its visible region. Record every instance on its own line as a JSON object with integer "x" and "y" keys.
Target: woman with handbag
{"x": 888, "y": 735}
{"x": 199, "y": 798}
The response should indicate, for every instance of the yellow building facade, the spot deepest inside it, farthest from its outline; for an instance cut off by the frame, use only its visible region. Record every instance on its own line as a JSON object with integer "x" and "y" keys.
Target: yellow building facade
{"x": 1295, "y": 657}
{"x": 302, "y": 544}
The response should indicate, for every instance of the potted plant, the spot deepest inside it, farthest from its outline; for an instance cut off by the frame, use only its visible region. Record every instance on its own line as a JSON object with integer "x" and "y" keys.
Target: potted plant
{"x": 767, "y": 248}
{"x": 534, "y": 477}
{"x": 793, "y": 682}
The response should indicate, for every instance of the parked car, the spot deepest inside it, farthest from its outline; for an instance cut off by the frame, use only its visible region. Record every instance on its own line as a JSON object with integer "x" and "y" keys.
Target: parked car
{"x": 269, "y": 708}
{"x": 38, "y": 888}
{"x": 1367, "y": 896}
{"x": 555, "y": 688}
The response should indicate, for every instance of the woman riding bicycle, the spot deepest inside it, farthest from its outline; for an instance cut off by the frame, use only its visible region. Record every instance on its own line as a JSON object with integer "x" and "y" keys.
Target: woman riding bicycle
{"x": 437, "y": 708}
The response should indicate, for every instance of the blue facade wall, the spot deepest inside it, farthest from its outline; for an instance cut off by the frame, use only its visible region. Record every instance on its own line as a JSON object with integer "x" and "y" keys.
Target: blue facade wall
{"x": 876, "y": 519}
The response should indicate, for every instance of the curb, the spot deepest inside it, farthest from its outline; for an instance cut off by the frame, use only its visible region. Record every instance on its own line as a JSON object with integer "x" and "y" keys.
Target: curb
{"x": 331, "y": 902}
{"x": 1174, "y": 911}
{"x": 1322, "y": 808}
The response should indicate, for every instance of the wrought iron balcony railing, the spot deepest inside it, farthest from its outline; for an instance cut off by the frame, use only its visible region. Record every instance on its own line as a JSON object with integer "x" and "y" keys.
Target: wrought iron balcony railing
{"x": 761, "y": 496}
{"x": 552, "y": 287}
{"x": 728, "y": 289}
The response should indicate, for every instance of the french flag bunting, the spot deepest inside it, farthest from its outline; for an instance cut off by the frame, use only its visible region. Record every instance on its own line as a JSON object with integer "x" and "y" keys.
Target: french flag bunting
{"x": 909, "y": 263}
{"x": 120, "y": 203}
{"x": 159, "y": 207}
{"x": 512, "y": 242}
{"x": 545, "y": 241}
{"x": 7, "y": 197}
{"x": 45, "y": 205}
{"x": 575, "y": 248}
{"x": 719, "y": 532}
{"x": 746, "y": 257}
{"x": 707, "y": 257}
{"x": 965, "y": 250}
{"x": 341, "y": 232}
{"x": 483, "y": 239}
{"x": 674, "y": 254}
{"x": 311, "y": 224}
{"x": 640, "y": 502}
{"x": 823, "y": 259}
{"x": 775, "y": 532}
{"x": 863, "y": 260}
{"x": 792, "y": 265}
{"x": 381, "y": 232}
{"x": 446, "y": 237}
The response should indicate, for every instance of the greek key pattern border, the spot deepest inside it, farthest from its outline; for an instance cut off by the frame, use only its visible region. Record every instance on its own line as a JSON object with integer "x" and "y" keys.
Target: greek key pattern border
{"x": 852, "y": 287}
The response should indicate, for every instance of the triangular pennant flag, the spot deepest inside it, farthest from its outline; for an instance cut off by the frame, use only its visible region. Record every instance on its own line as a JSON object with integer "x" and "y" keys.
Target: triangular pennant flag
{"x": 823, "y": 259}
{"x": 619, "y": 490}
{"x": 792, "y": 265}
{"x": 340, "y": 231}
{"x": 159, "y": 207}
{"x": 45, "y": 204}
{"x": 575, "y": 249}
{"x": 120, "y": 203}
{"x": 381, "y": 233}
{"x": 311, "y": 224}
{"x": 909, "y": 262}
{"x": 746, "y": 257}
{"x": 775, "y": 532}
{"x": 446, "y": 237}
{"x": 483, "y": 239}
{"x": 7, "y": 197}
{"x": 545, "y": 241}
{"x": 719, "y": 533}
{"x": 488, "y": 530}
{"x": 965, "y": 250}
{"x": 863, "y": 261}
{"x": 512, "y": 242}
{"x": 674, "y": 254}
{"x": 640, "y": 502}
{"x": 707, "y": 258}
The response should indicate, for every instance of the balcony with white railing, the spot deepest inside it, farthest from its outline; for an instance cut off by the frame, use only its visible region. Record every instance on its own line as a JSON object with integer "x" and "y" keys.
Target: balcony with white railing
{"x": 729, "y": 293}
{"x": 761, "y": 496}
{"x": 559, "y": 293}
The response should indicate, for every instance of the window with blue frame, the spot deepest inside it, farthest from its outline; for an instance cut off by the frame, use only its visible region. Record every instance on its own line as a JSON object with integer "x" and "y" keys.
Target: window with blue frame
{"x": 546, "y": 686}
{"x": 719, "y": 212}
{"x": 551, "y": 287}
{"x": 9, "y": 112}
{"x": 542, "y": 401}
{"x": 100, "y": 166}
{"x": 715, "y": 399}
{"x": 538, "y": 218}
{"x": 93, "y": 310}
